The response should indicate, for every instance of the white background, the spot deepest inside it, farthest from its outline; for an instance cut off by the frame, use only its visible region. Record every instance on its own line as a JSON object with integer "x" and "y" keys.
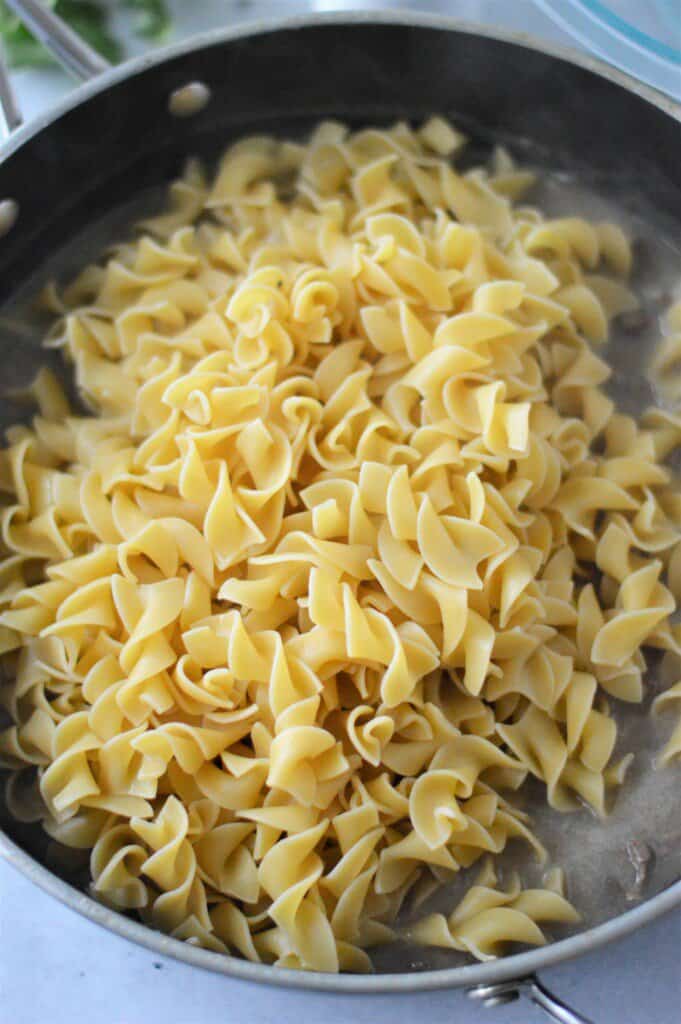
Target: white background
{"x": 55, "y": 966}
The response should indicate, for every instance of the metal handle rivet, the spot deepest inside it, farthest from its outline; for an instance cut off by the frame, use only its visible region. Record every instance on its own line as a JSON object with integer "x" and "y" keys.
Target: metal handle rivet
{"x": 9, "y": 211}
{"x": 189, "y": 99}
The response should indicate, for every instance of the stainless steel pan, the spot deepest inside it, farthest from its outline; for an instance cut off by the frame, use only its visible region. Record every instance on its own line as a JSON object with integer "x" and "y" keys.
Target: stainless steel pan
{"x": 75, "y": 178}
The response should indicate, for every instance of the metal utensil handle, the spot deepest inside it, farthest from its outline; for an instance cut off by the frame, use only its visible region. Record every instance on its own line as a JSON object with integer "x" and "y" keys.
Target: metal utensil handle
{"x": 531, "y": 988}
{"x": 11, "y": 115}
{"x": 62, "y": 42}
{"x": 554, "y": 1007}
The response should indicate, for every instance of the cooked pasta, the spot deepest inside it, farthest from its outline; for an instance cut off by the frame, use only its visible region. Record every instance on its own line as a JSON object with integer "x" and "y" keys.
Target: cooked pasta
{"x": 345, "y": 543}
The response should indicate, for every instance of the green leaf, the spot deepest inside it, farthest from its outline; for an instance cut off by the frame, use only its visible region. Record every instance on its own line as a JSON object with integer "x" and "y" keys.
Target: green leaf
{"x": 23, "y": 51}
{"x": 151, "y": 18}
{"x": 20, "y": 47}
{"x": 88, "y": 18}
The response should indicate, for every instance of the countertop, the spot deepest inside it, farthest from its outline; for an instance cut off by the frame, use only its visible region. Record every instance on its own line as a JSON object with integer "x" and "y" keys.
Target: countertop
{"x": 56, "y": 967}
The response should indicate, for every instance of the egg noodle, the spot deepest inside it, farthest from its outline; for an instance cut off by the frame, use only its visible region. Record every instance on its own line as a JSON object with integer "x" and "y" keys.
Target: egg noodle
{"x": 349, "y": 544}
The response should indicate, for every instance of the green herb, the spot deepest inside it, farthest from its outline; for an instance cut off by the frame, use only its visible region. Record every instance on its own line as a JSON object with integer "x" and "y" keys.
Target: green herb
{"x": 90, "y": 19}
{"x": 151, "y": 18}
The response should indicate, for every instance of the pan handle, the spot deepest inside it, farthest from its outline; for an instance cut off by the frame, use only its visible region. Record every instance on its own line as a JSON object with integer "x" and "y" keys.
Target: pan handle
{"x": 531, "y": 988}
{"x": 62, "y": 42}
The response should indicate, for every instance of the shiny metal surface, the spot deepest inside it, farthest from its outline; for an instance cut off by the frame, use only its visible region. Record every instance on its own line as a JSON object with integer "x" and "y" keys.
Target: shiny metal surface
{"x": 11, "y": 115}
{"x": 533, "y": 990}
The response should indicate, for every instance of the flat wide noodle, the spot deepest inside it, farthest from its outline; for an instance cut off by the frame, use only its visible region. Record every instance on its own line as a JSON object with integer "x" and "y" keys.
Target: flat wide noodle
{"x": 350, "y": 544}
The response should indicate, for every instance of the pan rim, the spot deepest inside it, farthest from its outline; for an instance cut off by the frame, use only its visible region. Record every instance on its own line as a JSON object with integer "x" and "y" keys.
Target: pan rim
{"x": 136, "y": 65}
{"x": 516, "y": 966}
{"x": 513, "y": 967}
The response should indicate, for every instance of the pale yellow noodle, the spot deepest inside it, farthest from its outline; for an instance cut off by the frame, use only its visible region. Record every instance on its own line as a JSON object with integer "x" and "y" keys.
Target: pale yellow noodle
{"x": 350, "y": 542}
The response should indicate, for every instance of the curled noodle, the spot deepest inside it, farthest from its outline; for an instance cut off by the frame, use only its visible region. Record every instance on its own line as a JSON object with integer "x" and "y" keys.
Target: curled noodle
{"x": 350, "y": 543}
